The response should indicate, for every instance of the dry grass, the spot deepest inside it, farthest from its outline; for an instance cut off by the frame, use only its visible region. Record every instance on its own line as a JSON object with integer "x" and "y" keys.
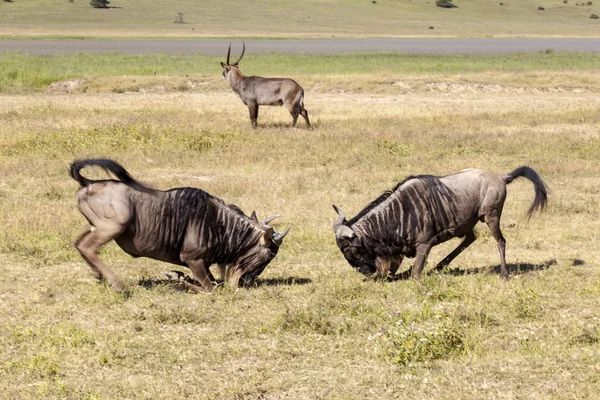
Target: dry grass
{"x": 312, "y": 328}
{"x": 285, "y": 18}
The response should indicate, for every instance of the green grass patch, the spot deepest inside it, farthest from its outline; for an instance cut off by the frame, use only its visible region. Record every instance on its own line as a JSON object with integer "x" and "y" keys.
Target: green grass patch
{"x": 24, "y": 73}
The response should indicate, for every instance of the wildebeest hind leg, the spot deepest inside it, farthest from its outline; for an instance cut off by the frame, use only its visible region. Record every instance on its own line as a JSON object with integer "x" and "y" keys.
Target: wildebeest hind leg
{"x": 494, "y": 225}
{"x": 467, "y": 241}
{"x": 201, "y": 274}
{"x": 77, "y": 242}
{"x": 89, "y": 244}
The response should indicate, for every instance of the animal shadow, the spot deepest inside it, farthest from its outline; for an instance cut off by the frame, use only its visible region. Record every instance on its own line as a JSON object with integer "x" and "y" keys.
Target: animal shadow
{"x": 512, "y": 269}
{"x": 292, "y": 280}
{"x": 285, "y": 125}
{"x": 150, "y": 284}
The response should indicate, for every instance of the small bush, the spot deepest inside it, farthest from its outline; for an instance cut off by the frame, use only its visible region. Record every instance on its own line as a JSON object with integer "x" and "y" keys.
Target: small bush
{"x": 527, "y": 304}
{"x": 594, "y": 16}
{"x": 407, "y": 343}
{"x": 99, "y": 3}
{"x": 445, "y": 4}
{"x": 588, "y": 336}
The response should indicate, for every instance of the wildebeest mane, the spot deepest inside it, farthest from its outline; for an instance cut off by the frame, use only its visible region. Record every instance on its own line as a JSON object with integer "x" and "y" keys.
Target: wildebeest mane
{"x": 428, "y": 179}
{"x": 216, "y": 220}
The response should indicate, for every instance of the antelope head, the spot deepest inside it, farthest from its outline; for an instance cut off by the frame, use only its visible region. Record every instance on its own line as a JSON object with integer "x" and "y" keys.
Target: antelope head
{"x": 229, "y": 67}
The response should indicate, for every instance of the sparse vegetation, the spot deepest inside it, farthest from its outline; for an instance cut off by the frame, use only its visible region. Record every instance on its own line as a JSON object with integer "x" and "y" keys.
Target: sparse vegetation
{"x": 445, "y": 4}
{"x": 473, "y": 18}
{"x": 99, "y": 3}
{"x": 312, "y": 327}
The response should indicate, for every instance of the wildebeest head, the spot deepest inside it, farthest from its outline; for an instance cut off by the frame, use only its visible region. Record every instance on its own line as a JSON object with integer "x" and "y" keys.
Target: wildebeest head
{"x": 351, "y": 246}
{"x": 227, "y": 67}
{"x": 257, "y": 258}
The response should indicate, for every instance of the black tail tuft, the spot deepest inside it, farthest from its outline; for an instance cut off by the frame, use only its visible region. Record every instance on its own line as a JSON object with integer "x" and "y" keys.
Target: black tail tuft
{"x": 108, "y": 165}
{"x": 541, "y": 189}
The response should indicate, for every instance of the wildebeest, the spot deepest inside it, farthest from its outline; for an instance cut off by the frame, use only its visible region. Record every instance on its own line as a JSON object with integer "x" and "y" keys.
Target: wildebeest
{"x": 183, "y": 226}
{"x": 423, "y": 211}
{"x": 258, "y": 91}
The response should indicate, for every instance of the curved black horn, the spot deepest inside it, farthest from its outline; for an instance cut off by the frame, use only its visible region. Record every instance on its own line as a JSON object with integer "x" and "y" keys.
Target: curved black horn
{"x": 265, "y": 222}
{"x": 228, "y": 53}
{"x": 278, "y": 237}
{"x": 243, "y": 51}
{"x": 340, "y": 220}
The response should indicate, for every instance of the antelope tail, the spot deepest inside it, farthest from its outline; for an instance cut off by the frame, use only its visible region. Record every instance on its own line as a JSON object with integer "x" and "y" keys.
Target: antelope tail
{"x": 541, "y": 190}
{"x": 108, "y": 165}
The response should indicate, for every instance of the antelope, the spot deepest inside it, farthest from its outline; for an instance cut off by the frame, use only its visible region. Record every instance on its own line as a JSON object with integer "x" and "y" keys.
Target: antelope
{"x": 256, "y": 91}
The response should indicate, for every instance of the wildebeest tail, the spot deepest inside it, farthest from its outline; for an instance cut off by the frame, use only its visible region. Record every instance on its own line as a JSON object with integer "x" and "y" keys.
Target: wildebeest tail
{"x": 541, "y": 190}
{"x": 108, "y": 165}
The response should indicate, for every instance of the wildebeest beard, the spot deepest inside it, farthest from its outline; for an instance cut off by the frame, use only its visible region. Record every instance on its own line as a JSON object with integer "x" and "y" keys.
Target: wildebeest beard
{"x": 246, "y": 268}
{"x": 235, "y": 243}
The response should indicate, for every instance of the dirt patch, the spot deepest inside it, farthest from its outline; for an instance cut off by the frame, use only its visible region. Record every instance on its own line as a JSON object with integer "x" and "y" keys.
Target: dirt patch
{"x": 68, "y": 86}
{"x": 446, "y": 87}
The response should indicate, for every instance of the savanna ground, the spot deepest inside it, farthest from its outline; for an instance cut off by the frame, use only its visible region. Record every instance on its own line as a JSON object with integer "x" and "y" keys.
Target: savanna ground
{"x": 312, "y": 327}
{"x": 289, "y": 18}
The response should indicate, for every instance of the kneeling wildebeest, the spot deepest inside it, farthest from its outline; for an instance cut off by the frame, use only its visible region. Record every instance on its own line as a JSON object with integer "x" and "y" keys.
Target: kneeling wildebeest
{"x": 257, "y": 91}
{"x": 424, "y": 211}
{"x": 183, "y": 226}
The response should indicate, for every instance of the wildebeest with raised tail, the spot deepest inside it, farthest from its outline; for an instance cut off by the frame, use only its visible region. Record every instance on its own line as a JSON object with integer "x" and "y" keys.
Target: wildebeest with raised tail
{"x": 183, "y": 226}
{"x": 423, "y": 211}
{"x": 258, "y": 91}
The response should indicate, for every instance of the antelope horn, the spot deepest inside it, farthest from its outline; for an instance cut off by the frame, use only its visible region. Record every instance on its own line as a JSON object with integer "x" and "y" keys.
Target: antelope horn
{"x": 228, "y": 52}
{"x": 278, "y": 237}
{"x": 264, "y": 223}
{"x": 243, "y": 50}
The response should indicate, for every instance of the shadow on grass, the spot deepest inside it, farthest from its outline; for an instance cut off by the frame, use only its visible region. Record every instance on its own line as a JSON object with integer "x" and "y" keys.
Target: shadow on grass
{"x": 152, "y": 283}
{"x": 287, "y": 125}
{"x": 512, "y": 269}
{"x": 282, "y": 281}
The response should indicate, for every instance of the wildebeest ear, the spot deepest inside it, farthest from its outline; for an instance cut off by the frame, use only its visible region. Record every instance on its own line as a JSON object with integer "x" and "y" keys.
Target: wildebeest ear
{"x": 253, "y": 216}
{"x": 356, "y": 242}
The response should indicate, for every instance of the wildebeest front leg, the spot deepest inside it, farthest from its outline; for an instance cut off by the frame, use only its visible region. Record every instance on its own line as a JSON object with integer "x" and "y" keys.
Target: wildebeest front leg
{"x": 201, "y": 274}
{"x": 422, "y": 253}
{"x": 253, "y": 110}
{"x": 467, "y": 241}
{"x": 387, "y": 268}
{"x": 423, "y": 250}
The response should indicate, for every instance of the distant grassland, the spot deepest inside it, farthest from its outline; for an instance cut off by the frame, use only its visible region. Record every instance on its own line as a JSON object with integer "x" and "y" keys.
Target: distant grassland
{"x": 23, "y": 73}
{"x": 288, "y": 18}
